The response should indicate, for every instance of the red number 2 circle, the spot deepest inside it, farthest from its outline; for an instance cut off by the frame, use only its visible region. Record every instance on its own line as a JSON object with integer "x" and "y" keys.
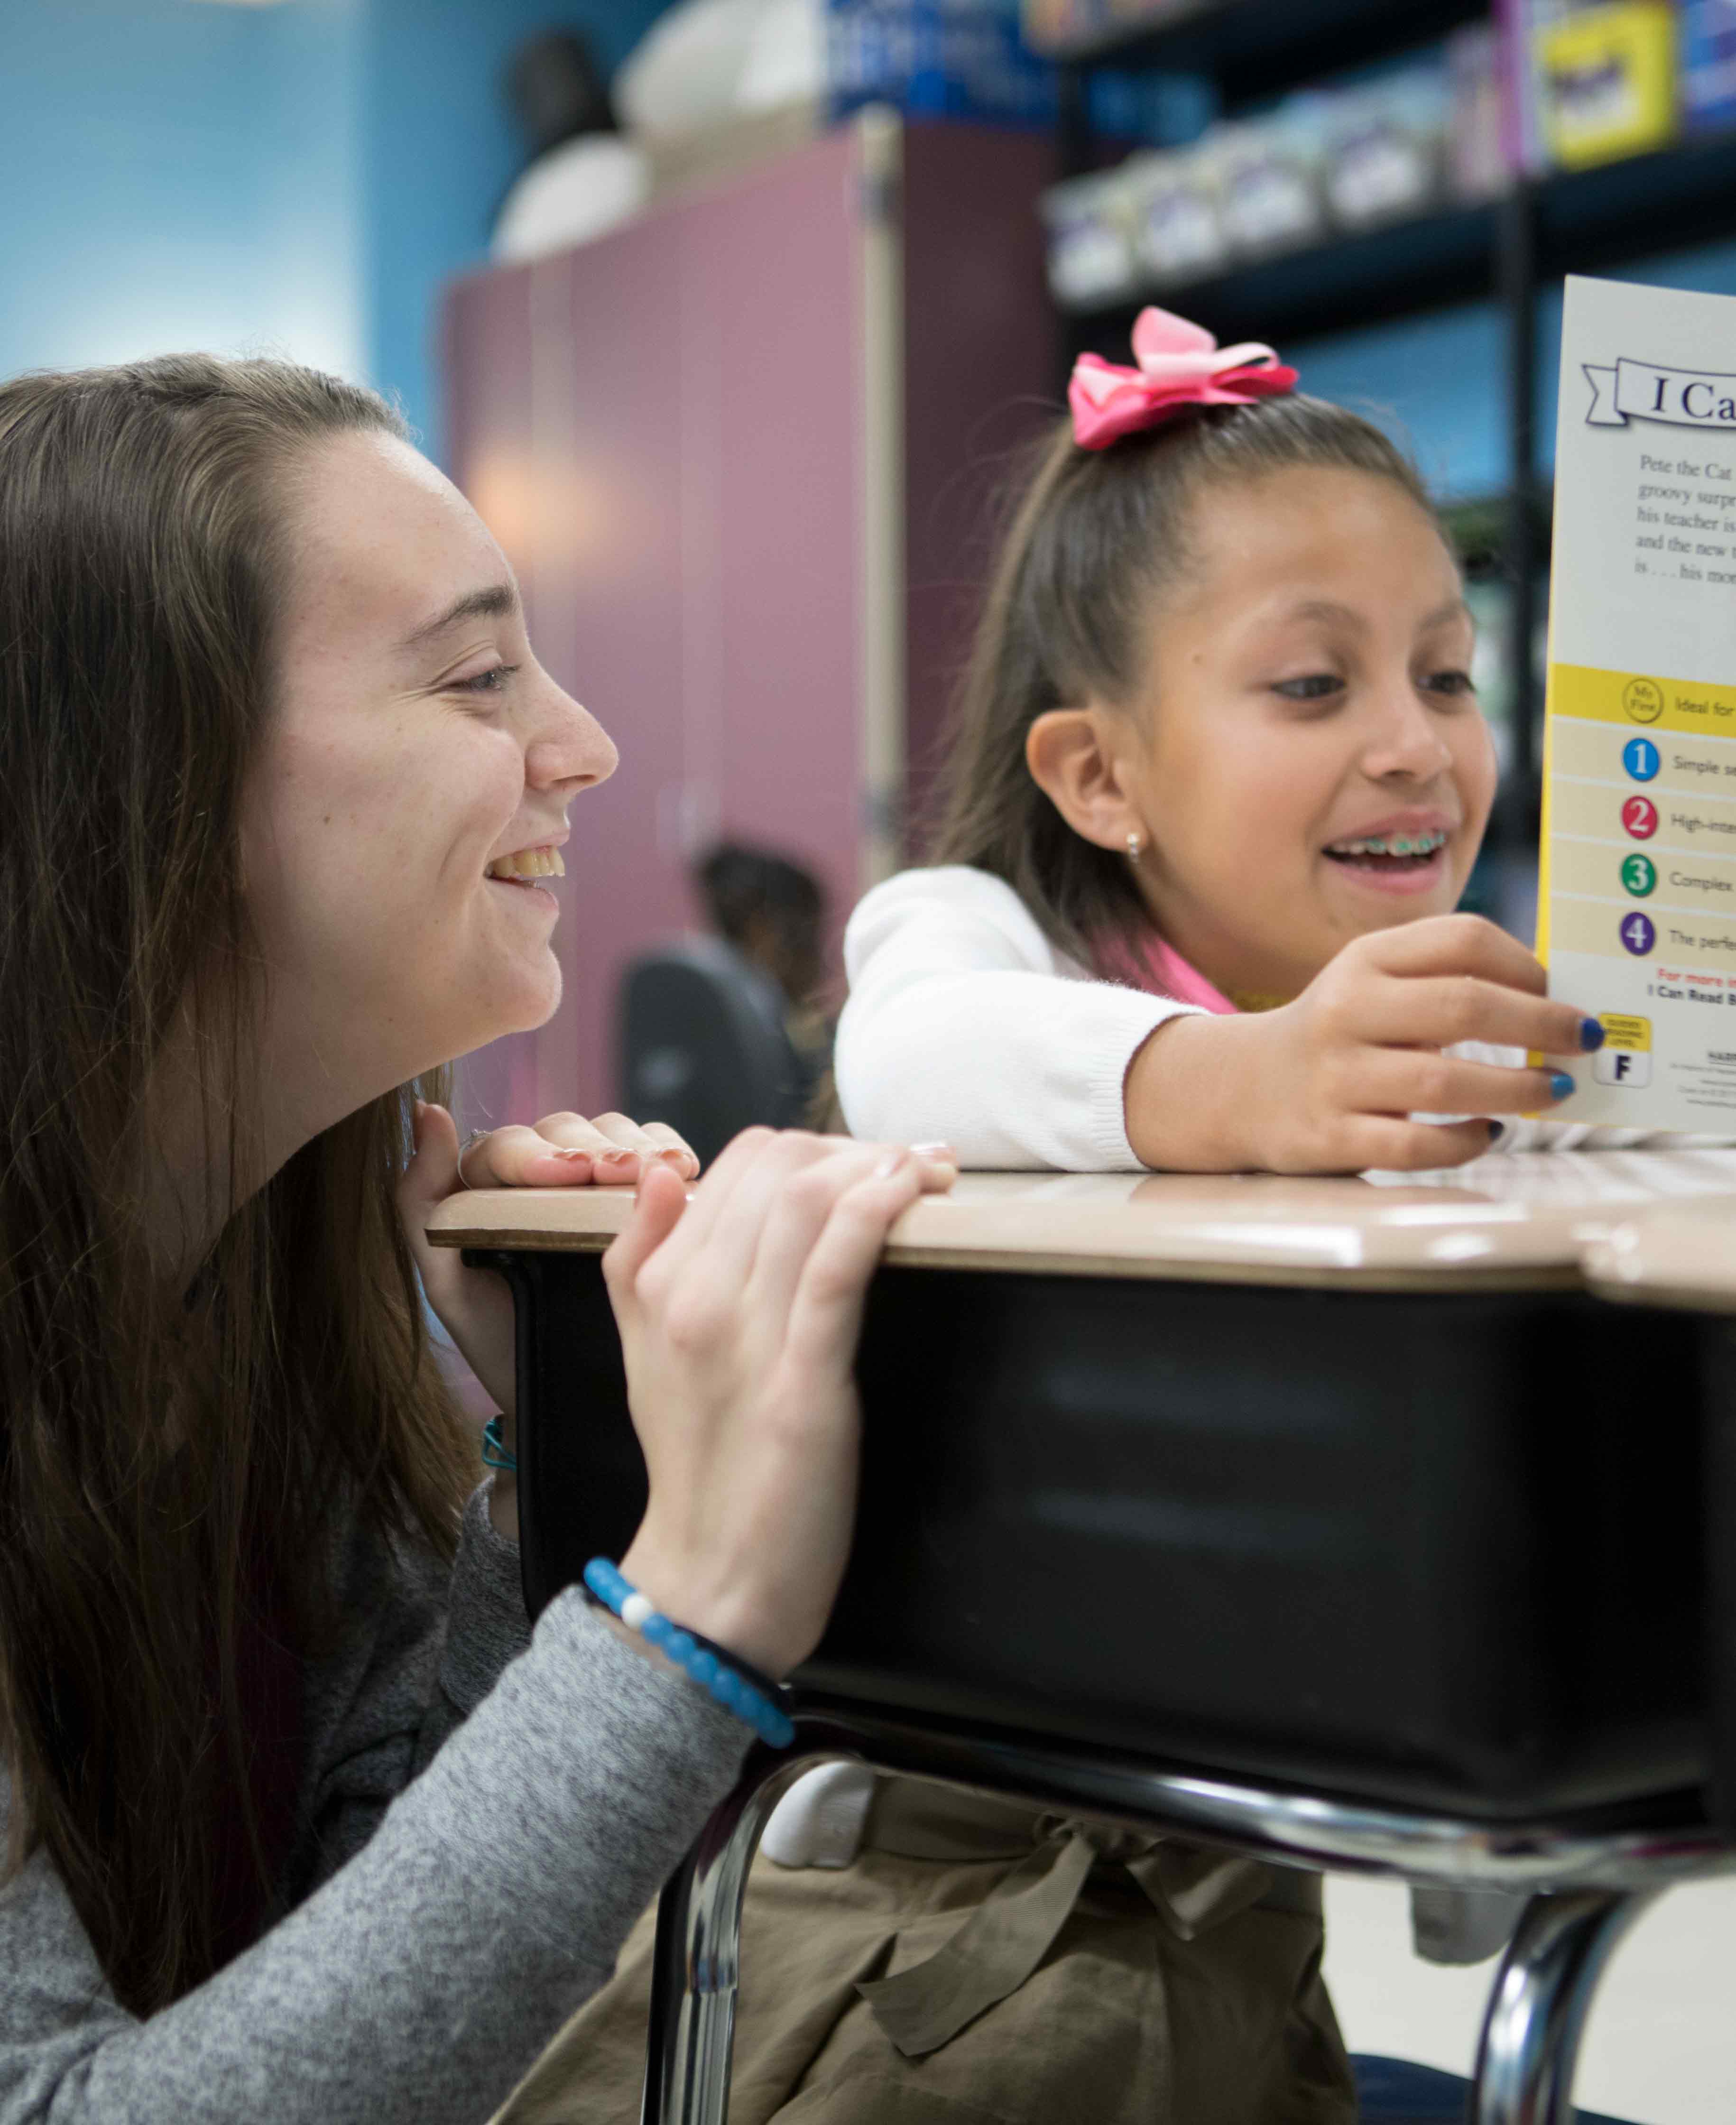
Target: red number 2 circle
{"x": 1639, "y": 816}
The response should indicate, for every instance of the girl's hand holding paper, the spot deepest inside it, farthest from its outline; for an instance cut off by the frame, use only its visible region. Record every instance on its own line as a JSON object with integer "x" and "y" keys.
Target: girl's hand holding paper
{"x": 1337, "y": 1080}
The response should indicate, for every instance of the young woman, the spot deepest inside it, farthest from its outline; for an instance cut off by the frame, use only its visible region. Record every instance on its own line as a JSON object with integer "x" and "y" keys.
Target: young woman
{"x": 297, "y": 1816}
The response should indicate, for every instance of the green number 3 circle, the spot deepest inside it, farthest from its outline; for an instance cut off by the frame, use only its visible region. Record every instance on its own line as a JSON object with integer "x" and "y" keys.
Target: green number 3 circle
{"x": 1639, "y": 874}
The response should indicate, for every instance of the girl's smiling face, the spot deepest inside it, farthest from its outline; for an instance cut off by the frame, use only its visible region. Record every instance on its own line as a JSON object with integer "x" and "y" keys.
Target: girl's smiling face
{"x": 1304, "y": 758}
{"x": 414, "y": 749}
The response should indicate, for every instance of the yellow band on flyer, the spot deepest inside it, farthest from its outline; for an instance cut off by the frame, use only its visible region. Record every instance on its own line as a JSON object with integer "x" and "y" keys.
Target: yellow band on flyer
{"x": 1642, "y": 701}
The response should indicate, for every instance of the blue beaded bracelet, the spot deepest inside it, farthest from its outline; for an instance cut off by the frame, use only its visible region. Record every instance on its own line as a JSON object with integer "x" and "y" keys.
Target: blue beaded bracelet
{"x": 494, "y": 1448}
{"x": 696, "y": 1655}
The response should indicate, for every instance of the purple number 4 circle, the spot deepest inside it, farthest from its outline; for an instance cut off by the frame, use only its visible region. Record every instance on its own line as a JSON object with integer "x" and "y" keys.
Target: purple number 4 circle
{"x": 1638, "y": 935}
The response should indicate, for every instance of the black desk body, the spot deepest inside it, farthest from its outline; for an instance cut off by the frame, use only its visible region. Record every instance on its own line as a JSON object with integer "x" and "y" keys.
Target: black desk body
{"x": 1438, "y": 1550}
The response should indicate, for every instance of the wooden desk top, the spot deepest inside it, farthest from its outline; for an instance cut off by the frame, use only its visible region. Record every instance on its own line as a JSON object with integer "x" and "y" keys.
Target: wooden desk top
{"x": 1681, "y": 1254}
{"x": 1516, "y": 1221}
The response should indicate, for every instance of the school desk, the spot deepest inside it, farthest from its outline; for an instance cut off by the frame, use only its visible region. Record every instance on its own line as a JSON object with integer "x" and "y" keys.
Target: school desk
{"x": 1338, "y": 1521}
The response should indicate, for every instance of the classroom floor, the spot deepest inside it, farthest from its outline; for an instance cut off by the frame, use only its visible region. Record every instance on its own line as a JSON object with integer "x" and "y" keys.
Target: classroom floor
{"x": 1661, "y": 2049}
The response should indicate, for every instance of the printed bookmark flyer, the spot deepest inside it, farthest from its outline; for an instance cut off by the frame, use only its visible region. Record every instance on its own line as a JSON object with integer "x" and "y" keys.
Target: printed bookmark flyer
{"x": 1637, "y": 917}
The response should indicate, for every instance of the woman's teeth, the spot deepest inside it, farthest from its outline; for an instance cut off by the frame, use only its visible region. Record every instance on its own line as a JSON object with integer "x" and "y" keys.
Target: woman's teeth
{"x": 529, "y": 863}
{"x": 1414, "y": 846}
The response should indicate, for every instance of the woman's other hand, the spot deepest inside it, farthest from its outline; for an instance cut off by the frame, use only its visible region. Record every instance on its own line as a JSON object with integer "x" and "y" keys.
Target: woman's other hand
{"x": 739, "y": 1321}
{"x": 566, "y": 1151}
{"x": 563, "y": 1151}
{"x": 1332, "y": 1083}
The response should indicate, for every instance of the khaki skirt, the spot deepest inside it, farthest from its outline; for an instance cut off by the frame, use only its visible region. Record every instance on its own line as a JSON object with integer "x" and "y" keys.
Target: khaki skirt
{"x": 978, "y": 1965}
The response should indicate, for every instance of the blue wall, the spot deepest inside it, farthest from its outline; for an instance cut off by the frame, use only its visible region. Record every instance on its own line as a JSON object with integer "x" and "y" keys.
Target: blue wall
{"x": 177, "y": 174}
{"x": 1433, "y": 381}
{"x": 297, "y": 178}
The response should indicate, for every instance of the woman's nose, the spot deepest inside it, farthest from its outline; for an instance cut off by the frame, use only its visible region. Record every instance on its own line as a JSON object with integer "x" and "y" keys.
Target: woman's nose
{"x": 1407, "y": 743}
{"x": 566, "y": 744}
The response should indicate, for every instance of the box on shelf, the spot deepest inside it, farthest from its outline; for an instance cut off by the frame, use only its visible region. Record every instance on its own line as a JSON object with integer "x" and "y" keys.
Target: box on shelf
{"x": 1266, "y": 174}
{"x": 1519, "y": 27}
{"x": 950, "y": 59}
{"x": 1708, "y": 31}
{"x": 1385, "y": 153}
{"x": 1606, "y": 82}
{"x": 1391, "y": 146}
{"x": 1477, "y": 164}
{"x": 1176, "y": 225}
{"x": 1091, "y": 252}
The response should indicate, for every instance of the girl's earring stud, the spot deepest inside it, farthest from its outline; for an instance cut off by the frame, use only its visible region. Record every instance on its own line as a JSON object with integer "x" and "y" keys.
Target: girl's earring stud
{"x": 1134, "y": 844}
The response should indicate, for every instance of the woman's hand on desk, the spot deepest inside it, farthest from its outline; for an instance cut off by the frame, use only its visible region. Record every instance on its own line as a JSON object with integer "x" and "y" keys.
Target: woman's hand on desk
{"x": 738, "y": 1323}
{"x": 1330, "y": 1083}
{"x": 566, "y": 1151}
{"x": 563, "y": 1151}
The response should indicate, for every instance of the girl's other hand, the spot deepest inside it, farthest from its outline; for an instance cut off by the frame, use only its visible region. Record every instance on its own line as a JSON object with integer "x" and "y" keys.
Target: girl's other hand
{"x": 738, "y": 1323}
{"x": 1329, "y": 1084}
{"x": 563, "y": 1151}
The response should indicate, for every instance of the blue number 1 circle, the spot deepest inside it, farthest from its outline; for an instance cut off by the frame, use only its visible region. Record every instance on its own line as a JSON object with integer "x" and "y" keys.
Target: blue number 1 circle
{"x": 1640, "y": 757}
{"x": 1638, "y": 935}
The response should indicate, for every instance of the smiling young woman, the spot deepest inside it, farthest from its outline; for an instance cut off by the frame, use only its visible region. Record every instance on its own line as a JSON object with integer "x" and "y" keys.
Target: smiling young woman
{"x": 279, "y": 778}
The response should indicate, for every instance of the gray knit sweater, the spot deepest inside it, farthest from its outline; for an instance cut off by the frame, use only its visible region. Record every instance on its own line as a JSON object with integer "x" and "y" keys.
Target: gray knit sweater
{"x": 483, "y": 1815}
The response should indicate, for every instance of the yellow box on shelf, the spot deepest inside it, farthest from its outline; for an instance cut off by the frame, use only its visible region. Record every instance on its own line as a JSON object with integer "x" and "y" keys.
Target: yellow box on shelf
{"x": 1606, "y": 82}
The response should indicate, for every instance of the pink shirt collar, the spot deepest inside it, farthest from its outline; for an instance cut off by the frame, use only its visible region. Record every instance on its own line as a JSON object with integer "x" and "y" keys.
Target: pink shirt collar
{"x": 1160, "y": 968}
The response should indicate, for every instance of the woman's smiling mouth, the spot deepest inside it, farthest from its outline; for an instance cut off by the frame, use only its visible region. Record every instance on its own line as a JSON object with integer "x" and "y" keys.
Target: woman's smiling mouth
{"x": 523, "y": 864}
{"x": 522, "y": 873}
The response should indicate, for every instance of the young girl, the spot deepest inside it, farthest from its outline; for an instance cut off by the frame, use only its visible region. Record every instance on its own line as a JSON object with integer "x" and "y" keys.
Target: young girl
{"x": 1220, "y": 779}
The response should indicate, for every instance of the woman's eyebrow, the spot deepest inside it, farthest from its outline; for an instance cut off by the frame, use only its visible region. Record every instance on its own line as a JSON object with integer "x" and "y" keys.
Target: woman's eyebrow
{"x": 492, "y": 602}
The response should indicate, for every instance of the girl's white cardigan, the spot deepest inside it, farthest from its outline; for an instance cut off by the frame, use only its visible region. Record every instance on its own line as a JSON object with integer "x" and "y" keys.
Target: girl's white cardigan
{"x": 965, "y": 1026}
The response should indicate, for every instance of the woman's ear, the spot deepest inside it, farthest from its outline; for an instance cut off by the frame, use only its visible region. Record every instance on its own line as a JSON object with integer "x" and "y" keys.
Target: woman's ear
{"x": 1075, "y": 759}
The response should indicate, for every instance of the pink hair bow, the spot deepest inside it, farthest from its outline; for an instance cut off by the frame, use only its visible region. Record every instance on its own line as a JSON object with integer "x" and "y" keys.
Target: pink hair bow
{"x": 1180, "y": 364}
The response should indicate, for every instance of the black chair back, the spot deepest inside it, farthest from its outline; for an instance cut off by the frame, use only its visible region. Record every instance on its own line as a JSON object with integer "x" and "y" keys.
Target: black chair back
{"x": 702, "y": 1045}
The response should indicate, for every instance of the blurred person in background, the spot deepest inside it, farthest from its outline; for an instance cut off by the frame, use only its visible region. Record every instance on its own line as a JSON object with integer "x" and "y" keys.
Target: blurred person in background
{"x": 773, "y": 911}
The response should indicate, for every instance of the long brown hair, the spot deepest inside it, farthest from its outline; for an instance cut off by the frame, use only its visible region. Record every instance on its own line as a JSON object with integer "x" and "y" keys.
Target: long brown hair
{"x": 1094, "y": 538}
{"x": 169, "y": 1465}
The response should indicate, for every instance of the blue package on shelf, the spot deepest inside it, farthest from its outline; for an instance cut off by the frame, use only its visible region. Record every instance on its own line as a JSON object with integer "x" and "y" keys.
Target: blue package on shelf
{"x": 937, "y": 59}
{"x": 1708, "y": 63}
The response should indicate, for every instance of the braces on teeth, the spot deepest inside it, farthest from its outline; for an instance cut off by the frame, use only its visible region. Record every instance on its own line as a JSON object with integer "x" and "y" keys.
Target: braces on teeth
{"x": 1391, "y": 845}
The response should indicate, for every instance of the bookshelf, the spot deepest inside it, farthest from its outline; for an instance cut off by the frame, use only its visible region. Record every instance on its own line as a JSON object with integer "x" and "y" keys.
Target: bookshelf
{"x": 1507, "y": 250}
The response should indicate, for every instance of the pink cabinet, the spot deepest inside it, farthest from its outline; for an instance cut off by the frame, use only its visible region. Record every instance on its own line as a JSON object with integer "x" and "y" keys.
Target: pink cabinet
{"x": 738, "y": 454}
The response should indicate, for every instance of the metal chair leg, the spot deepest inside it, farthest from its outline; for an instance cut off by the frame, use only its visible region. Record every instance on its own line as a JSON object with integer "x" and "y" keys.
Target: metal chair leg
{"x": 1537, "y": 2011}
{"x": 692, "y": 2032}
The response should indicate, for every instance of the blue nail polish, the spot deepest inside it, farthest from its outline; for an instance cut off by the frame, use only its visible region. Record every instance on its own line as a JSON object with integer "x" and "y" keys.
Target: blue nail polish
{"x": 1497, "y": 1130}
{"x": 1591, "y": 1035}
{"x": 1561, "y": 1086}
